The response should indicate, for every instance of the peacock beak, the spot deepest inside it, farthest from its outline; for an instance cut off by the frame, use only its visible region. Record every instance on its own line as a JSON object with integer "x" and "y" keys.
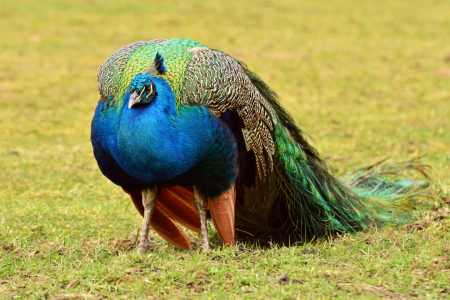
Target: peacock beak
{"x": 134, "y": 98}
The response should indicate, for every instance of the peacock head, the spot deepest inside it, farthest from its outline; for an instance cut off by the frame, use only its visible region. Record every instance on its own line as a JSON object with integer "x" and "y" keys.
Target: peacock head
{"x": 142, "y": 88}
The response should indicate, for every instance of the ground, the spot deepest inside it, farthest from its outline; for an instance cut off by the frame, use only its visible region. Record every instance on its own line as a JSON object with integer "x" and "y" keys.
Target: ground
{"x": 365, "y": 79}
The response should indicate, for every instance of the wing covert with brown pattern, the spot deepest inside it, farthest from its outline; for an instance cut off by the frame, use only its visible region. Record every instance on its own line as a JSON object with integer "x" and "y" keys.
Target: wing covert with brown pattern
{"x": 218, "y": 81}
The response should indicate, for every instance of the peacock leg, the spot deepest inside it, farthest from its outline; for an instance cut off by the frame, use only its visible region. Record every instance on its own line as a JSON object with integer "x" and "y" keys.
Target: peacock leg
{"x": 201, "y": 202}
{"x": 148, "y": 201}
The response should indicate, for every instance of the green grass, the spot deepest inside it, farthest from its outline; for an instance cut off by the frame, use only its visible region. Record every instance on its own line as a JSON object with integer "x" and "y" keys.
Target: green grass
{"x": 366, "y": 79}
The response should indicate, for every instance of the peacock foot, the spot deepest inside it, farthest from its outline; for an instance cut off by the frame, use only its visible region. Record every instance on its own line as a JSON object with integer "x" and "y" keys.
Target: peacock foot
{"x": 144, "y": 246}
{"x": 201, "y": 202}
{"x": 148, "y": 201}
{"x": 205, "y": 247}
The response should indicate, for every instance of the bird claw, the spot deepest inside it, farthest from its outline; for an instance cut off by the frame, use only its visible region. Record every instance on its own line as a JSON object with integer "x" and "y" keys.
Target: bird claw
{"x": 144, "y": 247}
{"x": 204, "y": 246}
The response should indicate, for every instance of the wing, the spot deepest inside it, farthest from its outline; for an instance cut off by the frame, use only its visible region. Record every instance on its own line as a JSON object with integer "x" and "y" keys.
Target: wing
{"x": 219, "y": 82}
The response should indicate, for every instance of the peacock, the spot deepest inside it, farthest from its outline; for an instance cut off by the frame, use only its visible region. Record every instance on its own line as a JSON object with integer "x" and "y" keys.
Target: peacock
{"x": 186, "y": 130}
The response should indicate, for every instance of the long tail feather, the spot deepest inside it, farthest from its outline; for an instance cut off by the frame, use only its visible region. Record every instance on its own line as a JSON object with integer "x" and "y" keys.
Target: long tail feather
{"x": 388, "y": 191}
{"x": 316, "y": 201}
{"x": 313, "y": 202}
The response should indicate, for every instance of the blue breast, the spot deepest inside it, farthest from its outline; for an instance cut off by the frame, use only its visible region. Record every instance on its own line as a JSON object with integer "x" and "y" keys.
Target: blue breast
{"x": 155, "y": 143}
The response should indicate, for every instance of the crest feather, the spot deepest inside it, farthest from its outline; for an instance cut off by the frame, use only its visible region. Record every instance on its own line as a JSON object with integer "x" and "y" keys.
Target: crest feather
{"x": 157, "y": 66}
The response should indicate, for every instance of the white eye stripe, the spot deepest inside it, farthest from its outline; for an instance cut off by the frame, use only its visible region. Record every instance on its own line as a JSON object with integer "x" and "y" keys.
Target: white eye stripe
{"x": 151, "y": 91}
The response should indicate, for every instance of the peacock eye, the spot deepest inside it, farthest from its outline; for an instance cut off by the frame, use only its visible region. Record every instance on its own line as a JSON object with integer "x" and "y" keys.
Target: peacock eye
{"x": 148, "y": 90}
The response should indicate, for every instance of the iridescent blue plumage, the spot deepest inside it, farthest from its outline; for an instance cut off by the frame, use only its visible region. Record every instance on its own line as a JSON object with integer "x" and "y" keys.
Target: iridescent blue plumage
{"x": 155, "y": 142}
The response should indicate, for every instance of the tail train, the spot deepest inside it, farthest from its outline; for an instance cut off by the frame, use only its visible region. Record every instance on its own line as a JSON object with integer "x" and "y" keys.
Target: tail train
{"x": 311, "y": 202}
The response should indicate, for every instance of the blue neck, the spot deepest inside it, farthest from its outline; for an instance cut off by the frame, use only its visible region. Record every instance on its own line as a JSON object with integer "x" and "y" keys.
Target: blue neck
{"x": 155, "y": 142}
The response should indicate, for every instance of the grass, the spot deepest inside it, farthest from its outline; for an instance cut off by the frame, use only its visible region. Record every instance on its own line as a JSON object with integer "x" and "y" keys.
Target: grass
{"x": 366, "y": 79}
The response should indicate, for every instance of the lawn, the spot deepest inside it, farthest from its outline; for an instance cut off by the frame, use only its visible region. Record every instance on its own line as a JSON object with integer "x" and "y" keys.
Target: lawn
{"x": 365, "y": 79}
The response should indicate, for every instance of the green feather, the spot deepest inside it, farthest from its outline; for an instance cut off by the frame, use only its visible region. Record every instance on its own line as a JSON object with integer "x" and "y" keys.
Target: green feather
{"x": 316, "y": 202}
